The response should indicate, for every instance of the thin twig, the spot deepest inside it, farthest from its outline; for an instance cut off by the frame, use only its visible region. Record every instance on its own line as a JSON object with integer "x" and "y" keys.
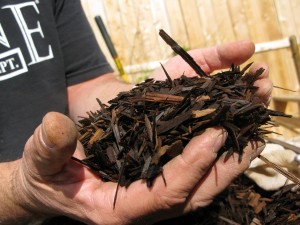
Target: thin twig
{"x": 285, "y": 173}
{"x": 180, "y": 51}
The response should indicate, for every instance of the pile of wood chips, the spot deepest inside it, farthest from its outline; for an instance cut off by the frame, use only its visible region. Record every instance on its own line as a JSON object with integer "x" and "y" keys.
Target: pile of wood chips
{"x": 244, "y": 203}
{"x": 144, "y": 128}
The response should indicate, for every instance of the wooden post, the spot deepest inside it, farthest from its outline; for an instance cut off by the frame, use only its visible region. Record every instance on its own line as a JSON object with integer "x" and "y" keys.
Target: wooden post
{"x": 295, "y": 54}
{"x": 296, "y": 57}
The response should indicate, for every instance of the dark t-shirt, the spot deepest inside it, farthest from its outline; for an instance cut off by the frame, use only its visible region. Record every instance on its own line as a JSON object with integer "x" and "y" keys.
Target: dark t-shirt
{"x": 45, "y": 46}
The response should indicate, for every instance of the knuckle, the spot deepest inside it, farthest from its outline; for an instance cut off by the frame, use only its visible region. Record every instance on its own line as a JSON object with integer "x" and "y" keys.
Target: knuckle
{"x": 169, "y": 199}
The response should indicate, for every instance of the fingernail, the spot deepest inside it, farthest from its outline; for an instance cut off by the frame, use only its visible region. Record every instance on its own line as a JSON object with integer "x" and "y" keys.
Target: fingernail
{"x": 268, "y": 101}
{"x": 257, "y": 151}
{"x": 220, "y": 134}
{"x": 269, "y": 98}
{"x": 44, "y": 138}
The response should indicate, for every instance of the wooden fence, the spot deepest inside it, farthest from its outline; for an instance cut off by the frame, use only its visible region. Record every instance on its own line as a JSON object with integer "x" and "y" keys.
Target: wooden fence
{"x": 133, "y": 26}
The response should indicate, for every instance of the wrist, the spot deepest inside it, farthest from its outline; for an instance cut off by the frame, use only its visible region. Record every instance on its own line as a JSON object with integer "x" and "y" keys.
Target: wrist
{"x": 15, "y": 209}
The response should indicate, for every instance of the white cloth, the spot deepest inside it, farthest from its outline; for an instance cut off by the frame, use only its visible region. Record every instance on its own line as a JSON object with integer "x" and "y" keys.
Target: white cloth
{"x": 265, "y": 176}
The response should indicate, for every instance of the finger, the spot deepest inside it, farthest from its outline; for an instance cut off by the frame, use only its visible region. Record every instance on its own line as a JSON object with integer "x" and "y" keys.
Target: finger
{"x": 222, "y": 174}
{"x": 265, "y": 85}
{"x": 222, "y": 56}
{"x": 51, "y": 145}
{"x": 257, "y": 66}
{"x": 196, "y": 159}
{"x": 184, "y": 171}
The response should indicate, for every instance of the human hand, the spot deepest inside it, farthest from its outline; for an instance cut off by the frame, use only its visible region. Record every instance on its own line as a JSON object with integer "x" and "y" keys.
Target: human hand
{"x": 49, "y": 183}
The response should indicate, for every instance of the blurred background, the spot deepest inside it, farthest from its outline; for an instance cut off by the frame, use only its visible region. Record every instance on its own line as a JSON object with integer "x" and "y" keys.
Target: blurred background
{"x": 273, "y": 25}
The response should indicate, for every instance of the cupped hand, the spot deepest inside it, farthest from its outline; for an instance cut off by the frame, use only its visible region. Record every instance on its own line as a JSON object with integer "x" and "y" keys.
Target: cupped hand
{"x": 48, "y": 182}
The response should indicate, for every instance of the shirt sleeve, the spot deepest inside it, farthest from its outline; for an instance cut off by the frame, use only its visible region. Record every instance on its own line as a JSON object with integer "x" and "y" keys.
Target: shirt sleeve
{"x": 83, "y": 58}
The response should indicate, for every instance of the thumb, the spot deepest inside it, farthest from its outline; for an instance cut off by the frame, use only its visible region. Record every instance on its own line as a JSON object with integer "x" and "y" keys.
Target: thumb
{"x": 51, "y": 145}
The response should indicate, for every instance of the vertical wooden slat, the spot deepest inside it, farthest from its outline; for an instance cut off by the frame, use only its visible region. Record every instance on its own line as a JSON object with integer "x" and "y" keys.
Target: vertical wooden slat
{"x": 192, "y": 23}
{"x": 93, "y": 8}
{"x": 177, "y": 27}
{"x": 160, "y": 21}
{"x": 208, "y": 22}
{"x": 285, "y": 17}
{"x": 149, "y": 34}
{"x": 295, "y": 5}
{"x": 129, "y": 14}
{"x": 262, "y": 23}
{"x": 287, "y": 24}
{"x": 224, "y": 23}
{"x": 262, "y": 20}
{"x": 239, "y": 19}
{"x": 114, "y": 26}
